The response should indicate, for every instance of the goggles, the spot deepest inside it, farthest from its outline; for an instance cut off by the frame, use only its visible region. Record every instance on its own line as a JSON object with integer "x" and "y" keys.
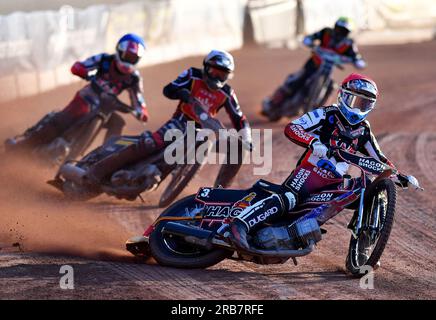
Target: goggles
{"x": 219, "y": 74}
{"x": 129, "y": 57}
{"x": 357, "y": 101}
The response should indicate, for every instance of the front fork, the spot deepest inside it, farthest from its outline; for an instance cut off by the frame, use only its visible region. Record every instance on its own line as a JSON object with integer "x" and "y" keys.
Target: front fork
{"x": 358, "y": 226}
{"x": 374, "y": 219}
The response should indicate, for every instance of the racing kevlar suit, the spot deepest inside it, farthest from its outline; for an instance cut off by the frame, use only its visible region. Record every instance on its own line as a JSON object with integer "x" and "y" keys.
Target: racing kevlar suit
{"x": 107, "y": 83}
{"x": 325, "y": 125}
{"x": 189, "y": 85}
{"x": 327, "y": 40}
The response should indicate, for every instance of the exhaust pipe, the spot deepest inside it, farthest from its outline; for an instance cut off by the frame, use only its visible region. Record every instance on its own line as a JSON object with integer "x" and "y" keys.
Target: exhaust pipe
{"x": 284, "y": 253}
{"x": 199, "y": 237}
{"x": 205, "y": 238}
{"x": 73, "y": 173}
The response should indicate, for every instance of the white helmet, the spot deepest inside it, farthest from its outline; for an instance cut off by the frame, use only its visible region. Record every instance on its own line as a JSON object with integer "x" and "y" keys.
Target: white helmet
{"x": 218, "y": 67}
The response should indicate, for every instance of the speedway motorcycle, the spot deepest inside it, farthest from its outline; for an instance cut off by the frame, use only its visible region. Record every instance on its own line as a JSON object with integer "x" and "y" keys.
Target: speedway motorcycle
{"x": 77, "y": 138}
{"x": 194, "y": 232}
{"x": 315, "y": 91}
{"x": 143, "y": 176}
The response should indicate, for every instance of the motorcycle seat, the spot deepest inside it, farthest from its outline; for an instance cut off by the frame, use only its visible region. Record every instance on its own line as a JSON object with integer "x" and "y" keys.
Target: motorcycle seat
{"x": 268, "y": 186}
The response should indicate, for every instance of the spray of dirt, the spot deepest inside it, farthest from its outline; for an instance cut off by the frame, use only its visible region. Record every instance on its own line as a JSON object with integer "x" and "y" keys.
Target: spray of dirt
{"x": 38, "y": 218}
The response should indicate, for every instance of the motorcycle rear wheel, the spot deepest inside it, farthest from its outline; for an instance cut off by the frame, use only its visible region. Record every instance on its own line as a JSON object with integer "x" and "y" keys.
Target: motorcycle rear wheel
{"x": 173, "y": 251}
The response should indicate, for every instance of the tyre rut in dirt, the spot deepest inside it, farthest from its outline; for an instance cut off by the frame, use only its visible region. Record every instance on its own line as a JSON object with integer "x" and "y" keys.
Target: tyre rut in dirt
{"x": 178, "y": 182}
{"x": 351, "y": 262}
{"x": 173, "y": 251}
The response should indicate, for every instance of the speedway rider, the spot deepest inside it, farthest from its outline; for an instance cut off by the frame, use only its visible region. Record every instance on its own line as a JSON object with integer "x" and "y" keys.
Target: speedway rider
{"x": 209, "y": 86}
{"x": 335, "y": 39}
{"x": 340, "y": 125}
{"x": 114, "y": 73}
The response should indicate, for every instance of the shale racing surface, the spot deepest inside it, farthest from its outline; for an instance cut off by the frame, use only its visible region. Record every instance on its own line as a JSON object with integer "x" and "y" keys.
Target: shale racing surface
{"x": 40, "y": 232}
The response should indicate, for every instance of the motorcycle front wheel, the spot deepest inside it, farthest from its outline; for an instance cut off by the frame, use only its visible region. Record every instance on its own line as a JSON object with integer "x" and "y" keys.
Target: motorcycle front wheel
{"x": 364, "y": 252}
{"x": 180, "y": 177}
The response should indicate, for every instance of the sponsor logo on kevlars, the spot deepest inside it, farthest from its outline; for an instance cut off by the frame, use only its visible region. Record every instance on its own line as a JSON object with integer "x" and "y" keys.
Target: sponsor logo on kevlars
{"x": 263, "y": 216}
{"x": 371, "y": 165}
{"x": 322, "y": 197}
{"x": 298, "y": 181}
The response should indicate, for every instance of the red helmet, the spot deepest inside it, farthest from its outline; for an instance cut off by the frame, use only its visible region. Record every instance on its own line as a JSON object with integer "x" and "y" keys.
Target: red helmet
{"x": 357, "y": 96}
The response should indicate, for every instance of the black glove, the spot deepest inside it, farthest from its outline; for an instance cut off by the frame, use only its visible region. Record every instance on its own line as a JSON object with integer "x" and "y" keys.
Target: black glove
{"x": 185, "y": 95}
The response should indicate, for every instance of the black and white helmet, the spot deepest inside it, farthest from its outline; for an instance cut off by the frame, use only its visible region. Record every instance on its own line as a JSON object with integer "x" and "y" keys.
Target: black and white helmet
{"x": 218, "y": 68}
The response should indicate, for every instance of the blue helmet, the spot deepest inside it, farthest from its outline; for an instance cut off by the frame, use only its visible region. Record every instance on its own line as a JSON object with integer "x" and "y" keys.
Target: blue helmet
{"x": 129, "y": 50}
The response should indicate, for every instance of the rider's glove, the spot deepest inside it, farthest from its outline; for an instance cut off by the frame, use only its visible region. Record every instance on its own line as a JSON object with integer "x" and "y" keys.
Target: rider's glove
{"x": 318, "y": 149}
{"x": 185, "y": 95}
{"x": 360, "y": 64}
{"x": 141, "y": 114}
{"x": 246, "y": 138}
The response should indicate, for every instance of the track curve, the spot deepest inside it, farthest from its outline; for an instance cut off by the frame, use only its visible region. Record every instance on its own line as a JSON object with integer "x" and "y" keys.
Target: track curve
{"x": 90, "y": 237}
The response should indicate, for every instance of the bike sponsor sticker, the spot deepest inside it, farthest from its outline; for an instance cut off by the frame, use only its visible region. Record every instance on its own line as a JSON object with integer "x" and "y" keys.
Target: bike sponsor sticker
{"x": 217, "y": 211}
{"x": 244, "y": 202}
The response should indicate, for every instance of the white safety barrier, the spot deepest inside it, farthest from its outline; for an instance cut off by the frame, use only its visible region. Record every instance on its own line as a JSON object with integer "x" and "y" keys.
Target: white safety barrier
{"x": 375, "y": 21}
{"x": 274, "y": 21}
{"x": 38, "y": 48}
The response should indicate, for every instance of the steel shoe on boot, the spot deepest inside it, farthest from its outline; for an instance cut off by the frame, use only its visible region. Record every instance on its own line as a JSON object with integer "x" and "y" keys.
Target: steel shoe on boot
{"x": 114, "y": 162}
{"x": 238, "y": 234}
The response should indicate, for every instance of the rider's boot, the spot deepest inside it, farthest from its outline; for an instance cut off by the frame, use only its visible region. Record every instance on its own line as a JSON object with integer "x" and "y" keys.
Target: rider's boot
{"x": 115, "y": 161}
{"x": 274, "y": 101}
{"x": 265, "y": 210}
{"x": 42, "y": 133}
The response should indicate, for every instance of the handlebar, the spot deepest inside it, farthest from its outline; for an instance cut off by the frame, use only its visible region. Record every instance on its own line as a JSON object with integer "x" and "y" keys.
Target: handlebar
{"x": 214, "y": 124}
{"x": 371, "y": 165}
{"x": 330, "y": 55}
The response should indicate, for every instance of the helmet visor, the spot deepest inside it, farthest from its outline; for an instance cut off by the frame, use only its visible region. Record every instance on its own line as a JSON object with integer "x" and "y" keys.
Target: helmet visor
{"x": 129, "y": 57}
{"x": 358, "y": 101}
{"x": 218, "y": 74}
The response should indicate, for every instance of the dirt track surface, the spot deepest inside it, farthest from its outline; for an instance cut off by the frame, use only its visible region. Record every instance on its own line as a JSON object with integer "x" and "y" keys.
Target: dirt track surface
{"x": 90, "y": 236}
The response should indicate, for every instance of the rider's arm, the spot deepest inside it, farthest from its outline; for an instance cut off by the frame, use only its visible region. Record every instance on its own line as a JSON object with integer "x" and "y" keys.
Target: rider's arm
{"x": 82, "y": 68}
{"x": 234, "y": 111}
{"x": 299, "y": 130}
{"x": 372, "y": 148}
{"x": 179, "y": 89}
{"x": 137, "y": 99}
{"x": 309, "y": 39}
{"x": 351, "y": 51}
